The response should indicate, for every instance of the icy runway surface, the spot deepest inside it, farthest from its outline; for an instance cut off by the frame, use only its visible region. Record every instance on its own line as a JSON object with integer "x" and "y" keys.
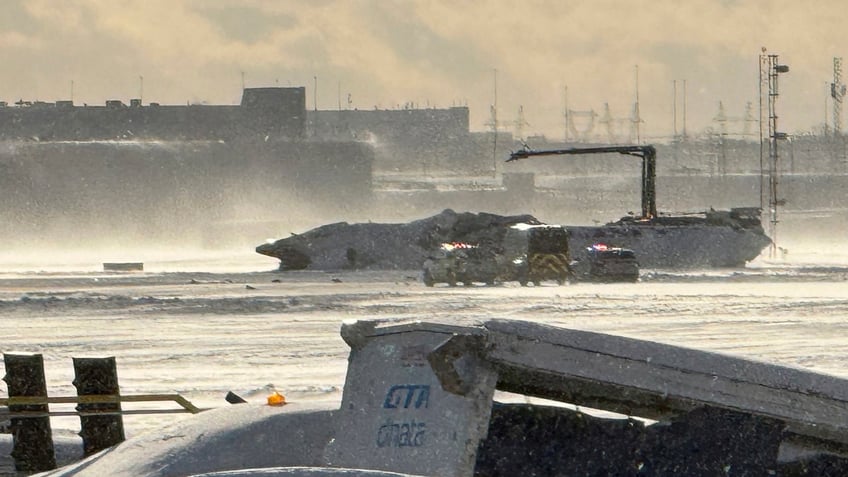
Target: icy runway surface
{"x": 201, "y": 334}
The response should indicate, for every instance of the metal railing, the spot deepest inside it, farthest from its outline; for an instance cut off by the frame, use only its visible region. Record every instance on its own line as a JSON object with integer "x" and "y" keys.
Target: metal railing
{"x": 98, "y": 405}
{"x": 185, "y": 406}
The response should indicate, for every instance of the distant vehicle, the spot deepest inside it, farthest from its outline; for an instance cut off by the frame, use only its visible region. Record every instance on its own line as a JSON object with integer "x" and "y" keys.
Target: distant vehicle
{"x": 460, "y": 262}
{"x": 523, "y": 253}
{"x": 602, "y": 263}
{"x": 528, "y": 254}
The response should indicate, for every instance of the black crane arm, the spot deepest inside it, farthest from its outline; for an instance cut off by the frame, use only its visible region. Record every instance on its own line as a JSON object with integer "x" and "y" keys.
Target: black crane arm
{"x": 648, "y": 153}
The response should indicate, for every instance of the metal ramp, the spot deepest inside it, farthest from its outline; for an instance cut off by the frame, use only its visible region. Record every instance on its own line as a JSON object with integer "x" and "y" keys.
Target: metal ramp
{"x": 418, "y": 395}
{"x": 655, "y": 381}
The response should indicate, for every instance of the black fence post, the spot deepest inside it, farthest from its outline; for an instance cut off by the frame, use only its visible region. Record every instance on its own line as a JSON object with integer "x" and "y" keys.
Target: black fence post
{"x": 98, "y": 377}
{"x": 32, "y": 437}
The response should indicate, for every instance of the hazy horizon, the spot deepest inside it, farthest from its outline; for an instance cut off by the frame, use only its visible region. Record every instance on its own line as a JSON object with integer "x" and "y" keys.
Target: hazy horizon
{"x": 388, "y": 54}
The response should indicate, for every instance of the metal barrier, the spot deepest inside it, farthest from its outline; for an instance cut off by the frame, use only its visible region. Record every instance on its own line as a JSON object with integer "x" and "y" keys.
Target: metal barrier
{"x": 98, "y": 405}
{"x": 185, "y": 405}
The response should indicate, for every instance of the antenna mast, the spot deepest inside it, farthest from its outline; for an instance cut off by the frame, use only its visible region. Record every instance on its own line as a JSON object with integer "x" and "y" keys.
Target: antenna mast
{"x": 636, "y": 117}
{"x": 674, "y": 108}
{"x": 771, "y": 68}
{"x": 565, "y": 113}
{"x": 763, "y": 87}
{"x": 837, "y": 91}
{"x": 493, "y": 122}
{"x": 495, "y": 104}
{"x": 684, "y": 109}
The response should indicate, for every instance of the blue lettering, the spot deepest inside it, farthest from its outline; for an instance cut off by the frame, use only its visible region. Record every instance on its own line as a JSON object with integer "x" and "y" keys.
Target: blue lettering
{"x": 404, "y": 394}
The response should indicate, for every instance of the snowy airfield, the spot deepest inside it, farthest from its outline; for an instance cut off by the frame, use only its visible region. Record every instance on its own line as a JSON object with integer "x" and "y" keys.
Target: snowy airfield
{"x": 211, "y": 324}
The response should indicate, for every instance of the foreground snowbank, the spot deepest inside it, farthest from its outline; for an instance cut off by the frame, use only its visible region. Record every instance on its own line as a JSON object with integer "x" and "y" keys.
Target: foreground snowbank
{"x": 230, "y": 438}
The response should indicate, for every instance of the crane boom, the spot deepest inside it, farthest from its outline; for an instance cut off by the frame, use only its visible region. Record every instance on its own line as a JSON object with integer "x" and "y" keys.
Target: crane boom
{"x": 648, "y": 154}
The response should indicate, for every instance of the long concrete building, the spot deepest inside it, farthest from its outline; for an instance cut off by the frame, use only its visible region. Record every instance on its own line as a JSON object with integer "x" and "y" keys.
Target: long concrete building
{"x": 273, "y": 112}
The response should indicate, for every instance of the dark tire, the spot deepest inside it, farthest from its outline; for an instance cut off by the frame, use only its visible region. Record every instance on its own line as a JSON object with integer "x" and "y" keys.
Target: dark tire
{"x": 428, "y": 279}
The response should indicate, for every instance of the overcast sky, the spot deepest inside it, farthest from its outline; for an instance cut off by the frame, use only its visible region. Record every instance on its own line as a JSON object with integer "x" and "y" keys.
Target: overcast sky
{"x": 383, "y": 53}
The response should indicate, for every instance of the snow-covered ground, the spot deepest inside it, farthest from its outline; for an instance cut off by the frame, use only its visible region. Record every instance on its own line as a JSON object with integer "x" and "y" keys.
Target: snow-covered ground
{"x": 204, "y": 325}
